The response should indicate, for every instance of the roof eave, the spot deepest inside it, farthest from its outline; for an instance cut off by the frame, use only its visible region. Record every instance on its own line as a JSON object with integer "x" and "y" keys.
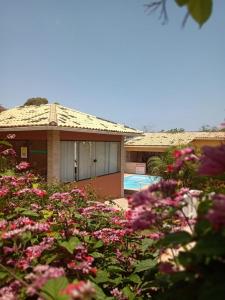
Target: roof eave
{"x": 85, "y": 130}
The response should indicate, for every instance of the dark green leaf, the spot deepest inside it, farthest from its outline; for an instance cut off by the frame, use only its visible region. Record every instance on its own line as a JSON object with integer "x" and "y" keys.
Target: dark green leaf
{"x": 182, "y": 2}
{"x": 115, "y": 269}
{"x": 134, "y": 278}
{"x": 99, "y": 244}
{"x": 3, "y": 275}
{"x": 200, "y": 10}
{"x": 176, "y": 238}
{"x": 144, "y": 265}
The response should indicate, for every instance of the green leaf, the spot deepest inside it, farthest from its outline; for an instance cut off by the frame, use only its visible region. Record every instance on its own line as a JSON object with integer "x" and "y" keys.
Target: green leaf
{"x": 176, "y": 238}
{"x": 211, "y": 245}
{"x": 128, "y": 292}
{"x": 144, "y": 265}
{"x": 115, "y": 269}
{"x": 52, "y": 290}
{"x": 134, "y": 278}
{"x": 47, "y": 213}
{"x": 3, "y": 275}
{"x": 71, "y": 244}
{"x": 99, "y": 244}
{"x": 117, "y": 280}
{"x": 182, "y": 2}
{"x": 146, "y": 243}
{"x": 100, "y": 295}
{"x": 97, "y": 254}
{"x": 200, "y": 10}
{"x": 101, "y": 276}
{"x": 29, "y": 213}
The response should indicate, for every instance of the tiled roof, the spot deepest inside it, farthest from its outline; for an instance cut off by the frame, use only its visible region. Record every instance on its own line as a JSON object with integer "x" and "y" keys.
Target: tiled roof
{"x": 173, "y": 139}
{"x": 59, "y": 116}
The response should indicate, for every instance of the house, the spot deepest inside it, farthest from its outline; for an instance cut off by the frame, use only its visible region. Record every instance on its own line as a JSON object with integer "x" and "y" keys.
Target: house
{"x": 139, "y": 149}
{"x": 66, "y": 145}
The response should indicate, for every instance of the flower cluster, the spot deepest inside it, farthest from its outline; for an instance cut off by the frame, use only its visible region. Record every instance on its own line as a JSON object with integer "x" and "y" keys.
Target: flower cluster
{"x": 80, "y": 291}
{"x": 212, "y": 161}
{"x": 216, "y": 214}
{"x": 181, "y": 157}
{"x": 22, "y": 166}
{"x": 40, "y": 275}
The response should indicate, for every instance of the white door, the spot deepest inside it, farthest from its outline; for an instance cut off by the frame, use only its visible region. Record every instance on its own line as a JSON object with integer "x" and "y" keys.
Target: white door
{"x": 67, "y": 168}
{"x": 84, "y": 160}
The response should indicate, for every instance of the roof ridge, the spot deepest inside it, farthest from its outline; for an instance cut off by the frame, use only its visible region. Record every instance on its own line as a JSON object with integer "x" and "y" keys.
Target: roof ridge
{"x": 53, "y": 115}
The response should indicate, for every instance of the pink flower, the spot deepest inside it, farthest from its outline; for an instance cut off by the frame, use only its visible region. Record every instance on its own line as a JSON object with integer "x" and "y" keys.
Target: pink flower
{"x": 4, "y": 191}
{"x": 216, "y": 215}
{"x": 118, "y": 294}
{"x": 212, "y": 161}
{"x": 10, "y": 136}
{"x": 78, "y": 192}
{"x": 8, "y": 152}
{"x": 141, "y": 218}
{"x": 24, "y": 165}
{"x": 41, "y": 274}
{"x": 80, "y": 291}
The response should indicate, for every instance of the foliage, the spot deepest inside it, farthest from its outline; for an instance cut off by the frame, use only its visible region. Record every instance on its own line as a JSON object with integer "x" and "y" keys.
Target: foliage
{"x": 174, "y": 130}
{"x": 36, "y": 101}
{"x": 57, "y": 243}
{"x": 199, "y": 10}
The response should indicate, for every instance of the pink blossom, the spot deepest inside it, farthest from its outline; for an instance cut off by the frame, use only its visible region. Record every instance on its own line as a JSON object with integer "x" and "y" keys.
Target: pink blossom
{"x": 216, "y": 215}
{"x": 34, "y": 252}
{"x": 212, "y": 162}
{"x": 37, "y": 227}
{"x": 11, "y": 136}
{"x": 78, "y": 192}
{"x": 80, "y": 291}
{"x": 8, "y": 152}
{"x": 41, "y": 274}
{"x": 4, "y": 191}
{"x": 63, "y": 197}
{"x": 22, "y": 166}
{"x": 118, "y": 294}
{"x": 10, "y": 292}
{"x": 141, "y": 217}
{"x": 141, "y": 198}
{"x": 3, "y": 224}
{"x": 110, "y": 235}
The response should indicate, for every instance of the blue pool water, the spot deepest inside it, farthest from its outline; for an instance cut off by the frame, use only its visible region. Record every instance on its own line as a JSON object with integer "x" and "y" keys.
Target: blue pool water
{"x": 137, "y": 182}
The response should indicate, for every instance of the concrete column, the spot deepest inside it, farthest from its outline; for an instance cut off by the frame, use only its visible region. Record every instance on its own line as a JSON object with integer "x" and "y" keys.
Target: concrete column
{"x": 122, "y": 165}
{"x": 53, "y": 165}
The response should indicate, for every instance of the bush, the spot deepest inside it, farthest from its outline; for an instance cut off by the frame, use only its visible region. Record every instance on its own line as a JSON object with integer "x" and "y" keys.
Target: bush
{"x": 57, "y": 243}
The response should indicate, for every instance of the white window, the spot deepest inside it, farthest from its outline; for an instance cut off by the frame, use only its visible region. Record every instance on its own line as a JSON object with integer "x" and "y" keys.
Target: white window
{"x": 87, "y": 159}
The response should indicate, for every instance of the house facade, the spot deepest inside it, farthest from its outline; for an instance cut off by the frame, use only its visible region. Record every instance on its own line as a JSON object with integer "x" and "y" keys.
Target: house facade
{"x": 139, "y": 149}
{"x": 65, "y": 145}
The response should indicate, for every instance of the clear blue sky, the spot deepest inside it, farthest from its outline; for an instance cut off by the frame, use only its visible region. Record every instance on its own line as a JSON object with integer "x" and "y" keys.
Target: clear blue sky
{"x": 110, "y": 59}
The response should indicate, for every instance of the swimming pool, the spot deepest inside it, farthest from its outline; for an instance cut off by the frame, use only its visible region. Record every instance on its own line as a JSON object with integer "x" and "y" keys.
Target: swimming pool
{"x": 137, "y": 182}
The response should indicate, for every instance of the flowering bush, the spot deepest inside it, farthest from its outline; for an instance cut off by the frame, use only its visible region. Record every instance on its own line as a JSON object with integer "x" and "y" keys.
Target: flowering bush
{"x": 58, "y": 243}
